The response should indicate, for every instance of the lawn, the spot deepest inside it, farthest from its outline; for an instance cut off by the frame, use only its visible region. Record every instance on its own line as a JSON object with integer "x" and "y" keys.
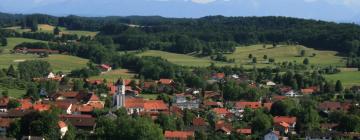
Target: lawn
{"x": 180, "y": 59}
{"x": 13, "y": 41}
{"x": 114, "y": 75}
{"x": 58, "y": 62}
{"x": 15, "y": 93}
{"x": 149, "y": 96}
{"x": 348, "y": 78}
{"x": 286, "y": 53}
{"x": 49, "y": 29}
{"x": 280, "y": 54}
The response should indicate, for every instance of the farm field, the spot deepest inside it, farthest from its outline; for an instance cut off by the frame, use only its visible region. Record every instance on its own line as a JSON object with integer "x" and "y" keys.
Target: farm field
{"x": 13, "y": 41}
{"x": 348, "y": 78}
{"x": 280, "y": 54}
{"x": 49, "y": 29}
{"x": 114, "y": 75}
{"x": 58, "y": 62}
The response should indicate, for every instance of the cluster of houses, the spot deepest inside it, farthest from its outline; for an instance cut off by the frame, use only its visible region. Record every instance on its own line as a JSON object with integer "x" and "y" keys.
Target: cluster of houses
{"x": 78, "y": 107}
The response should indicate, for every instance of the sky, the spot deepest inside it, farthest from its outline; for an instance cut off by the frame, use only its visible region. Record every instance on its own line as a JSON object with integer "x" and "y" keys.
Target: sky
{"x": 331, "y": 10}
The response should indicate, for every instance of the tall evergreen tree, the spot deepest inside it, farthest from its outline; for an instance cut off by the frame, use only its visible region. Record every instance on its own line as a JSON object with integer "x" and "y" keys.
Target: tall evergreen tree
{"x": 56, "y": 30}
{"x": 11, "y": 72}
{"x": 338, "y": 86}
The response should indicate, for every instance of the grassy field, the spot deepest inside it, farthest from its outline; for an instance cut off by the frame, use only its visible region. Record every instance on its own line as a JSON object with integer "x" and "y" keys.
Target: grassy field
{"x": 12, "y": 42}
{"x": 115, "y": 75}
{"x": 286, "y": 53}
{"x": 15, "y": 93}
{"x": 348, "y": 78}
{"x": 181, "y": 59}
{"x": 49, "y": 29}
{"x": 58, "y": 62}
{"x": 280, "y": 54}
{"x": 149, "y": 96}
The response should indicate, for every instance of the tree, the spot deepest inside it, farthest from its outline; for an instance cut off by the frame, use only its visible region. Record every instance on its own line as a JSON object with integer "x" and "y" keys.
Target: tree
{"x": 306, "y": 61}
{"x": 33, "y": 92}
{"x": 5, "y": 93}
{"x": 13, "y": 104}
{"x": 14, "y": 130}
{"x": 338, "y": 86}
{"x": 271, "y": 60}
{"x": 56, "y": 30}
{"x": 283, "y": 108}
{"x": 250, "y": 56}
{"x": 265, "y": 57}
{"x": 3, "y": 41}
{"x": 254, "y": 60}
{"x": 34, "y": 25}
{"x": 349, "y": 123}
{"x": 33, "y": 69}
{"x": 166, "y": 122}
{"x": 302, "y": 53}
{"x": 261, "y": 122}
{"x": 40, "y": 124}
{"x": 71, "y": 133}
{"x": 11, "y": 72}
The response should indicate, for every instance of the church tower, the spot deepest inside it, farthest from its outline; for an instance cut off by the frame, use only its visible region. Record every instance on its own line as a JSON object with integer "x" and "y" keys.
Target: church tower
{"x": 119, "y": 97}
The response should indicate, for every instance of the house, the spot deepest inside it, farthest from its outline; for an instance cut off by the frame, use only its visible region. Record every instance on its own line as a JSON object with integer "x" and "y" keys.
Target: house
{"x": 320, "y": 135}
{"x": 84, "y": 122}
{"x": 63, "y": 128}
{"x": 244, "y": 131}
{"x": 212, "y": 95}
{"x": 291, "y": 93}
{"x": 186, "y": 102}
{"x": 241, "y": 105}
{"x": 25, "y": 104}
{"x": 221, "y": 112}
{"x": 105, "y": 67}
{"x": 41, "y": 107}
{"x": 273, "y": 135}
{"x": 179, "y": 135}
{"x": 3, "y": 104}
{"x": 218, "y": 76}
{"x": 285, "y": 124}
{"x": 270, "y": 83}
{"x": 199, "y": 123}
{"x": 329, "y": 106}
{"x": 224, "y": 127}
{"x": 139, "y": 105}
{"x": 267, "y": 106}
{"x": 166, "y": 81}
{"x": 4, "y": 125}
{"x": 309, "y": 90}
{"x": 210, "y": 104}
{"x": 65, "y": 106}
{"x": 164, "y": 85}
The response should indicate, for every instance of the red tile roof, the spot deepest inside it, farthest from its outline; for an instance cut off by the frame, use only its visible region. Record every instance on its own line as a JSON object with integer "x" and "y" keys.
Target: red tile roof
{"x": 25, "y": 104}
{"x": 180, "y": 135}
{"x": 134, "y": 103}
{"x": 5, "y": 122}
{"x": 220, "y": 104}
{"x": 198, "y": 121}
{"x": 224, "y": 126}
{"x": 219, "y": 75}
{"x": 219, "y": 111}
{"x": 252, "y": 105}
{"x": 155, "y": 105}
{"x": 333, "y": 106}
{"x": 94, "y": 98}
{"x": 105, "y": 66}
{"x": 166, "y": 81}
{"x": 4, "y": 101}
{"x": 41, "y": 107}
{"x": 309, "y": 90}
{"x": 287, "y": 119}
{"x": 245, "y": 131}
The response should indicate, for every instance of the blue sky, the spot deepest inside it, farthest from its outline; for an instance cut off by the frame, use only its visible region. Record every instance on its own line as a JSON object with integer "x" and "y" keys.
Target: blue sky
{"x": 333, "y": 10}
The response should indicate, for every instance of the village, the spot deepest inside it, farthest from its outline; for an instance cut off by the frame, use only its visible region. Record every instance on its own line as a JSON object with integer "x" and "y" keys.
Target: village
{"x": 78, "y": 107}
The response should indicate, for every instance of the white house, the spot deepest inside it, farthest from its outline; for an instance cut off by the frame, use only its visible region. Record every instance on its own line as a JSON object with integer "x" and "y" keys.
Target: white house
{"x": 291, "y": 93}
{"x": 63, "y": 128}
{"x": 270, "y": 83}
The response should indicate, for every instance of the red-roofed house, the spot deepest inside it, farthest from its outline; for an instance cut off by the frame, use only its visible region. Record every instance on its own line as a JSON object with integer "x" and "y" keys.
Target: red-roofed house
{"x": 221, "y": 112}
{"x": 105, "y": 67}
{"x": 285, "y": 123}
{"x": 218, "y": 76}
{"x": 25, "y": 104}
{"x": 4, "y": 124}
{"x": 252, "y": 105}
{"x": 3, "y": 104}
{"x": 267, "y": 106}
{"x": 223, "y": 127}
{"x": 307, "y": 91}
{"x": 41, "y": 107}
{"x": 166, "y": 81}
{"x": 329, "y": 106}
{"x": 179, "y": 135}
{"x": 244, "y": 131}
{"x": 155, "y": 106}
